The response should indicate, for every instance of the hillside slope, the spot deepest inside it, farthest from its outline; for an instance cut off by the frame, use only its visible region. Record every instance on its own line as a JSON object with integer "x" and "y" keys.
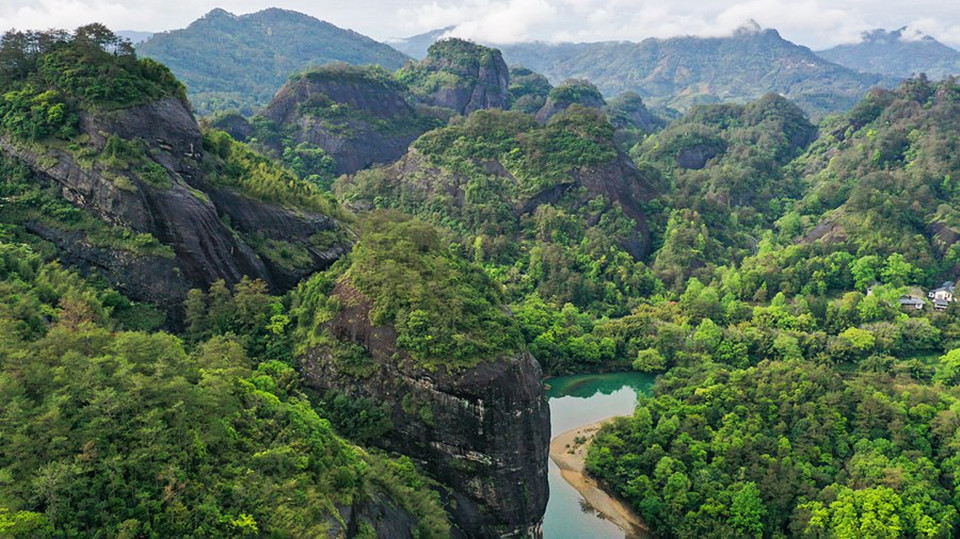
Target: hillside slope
{"x": 230, "y": 61}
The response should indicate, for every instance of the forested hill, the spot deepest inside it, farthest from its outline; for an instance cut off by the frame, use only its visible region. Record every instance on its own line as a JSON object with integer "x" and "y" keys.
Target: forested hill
{"x": 897, "y": 54}
{"x": 804, "y": 397}
{"x": 229, "y": 61}
{"x": 684, "y": 71}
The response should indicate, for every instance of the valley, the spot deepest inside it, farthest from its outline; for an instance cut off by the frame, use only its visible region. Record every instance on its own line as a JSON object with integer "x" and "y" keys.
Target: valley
{"x": 264, "y": 276}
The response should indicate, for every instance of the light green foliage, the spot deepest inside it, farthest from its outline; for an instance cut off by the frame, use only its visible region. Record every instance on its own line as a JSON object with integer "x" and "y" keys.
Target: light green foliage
{"x": 450, "y": 64}
{"x": 649, "y": 360}
{"x": 447, "y": 312}
{"x": 784, "y": 448}
{"x": 130, "y": 433}
{"x": 237, "y": 166}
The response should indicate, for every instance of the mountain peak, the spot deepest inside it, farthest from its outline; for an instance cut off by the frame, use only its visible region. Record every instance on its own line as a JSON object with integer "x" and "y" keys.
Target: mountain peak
{"x": 750, "y": 27}
{"x": 218, "y": 13}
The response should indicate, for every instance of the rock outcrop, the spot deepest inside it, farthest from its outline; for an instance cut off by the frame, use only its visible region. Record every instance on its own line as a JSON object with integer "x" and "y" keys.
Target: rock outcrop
{"x": 461, "y": 76}
{"x": 482, "y": 431}
{"x": 176, "y": 202}
{"x": 568, "y": 93}
{"x": 357, "y": 116}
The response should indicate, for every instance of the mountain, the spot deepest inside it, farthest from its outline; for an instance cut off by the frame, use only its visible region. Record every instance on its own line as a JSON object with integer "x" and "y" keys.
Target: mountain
{"x": 147, "y": 190}
{"x": 417, "y": 46}
{"x": 683, "y": 71}
{"x": 459, "y": 75}
{"x": 897, "y": 54}
{"x": 115, "y": 203}
{"x": 122, "y": 217}
{"x": 240, "y": 62}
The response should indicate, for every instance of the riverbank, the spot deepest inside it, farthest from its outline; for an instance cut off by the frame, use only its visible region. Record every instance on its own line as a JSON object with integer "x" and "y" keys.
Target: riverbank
{"x": 570, "y": 456}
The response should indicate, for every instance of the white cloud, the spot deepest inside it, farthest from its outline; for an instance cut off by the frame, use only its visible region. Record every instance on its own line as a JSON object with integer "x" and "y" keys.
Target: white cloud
{"x": 815, "y": 23}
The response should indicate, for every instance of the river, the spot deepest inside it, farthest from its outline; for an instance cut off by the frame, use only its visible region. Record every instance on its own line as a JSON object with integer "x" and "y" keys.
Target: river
{"x": 576, "y": 401}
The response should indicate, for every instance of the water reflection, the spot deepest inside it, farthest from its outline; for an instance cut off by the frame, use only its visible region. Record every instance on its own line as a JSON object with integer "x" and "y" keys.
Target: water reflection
{"x": 576, "y": 401}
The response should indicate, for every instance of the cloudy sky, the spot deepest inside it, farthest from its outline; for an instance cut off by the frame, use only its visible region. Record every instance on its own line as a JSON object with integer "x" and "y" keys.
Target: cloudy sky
{"x": 815, "y": 23}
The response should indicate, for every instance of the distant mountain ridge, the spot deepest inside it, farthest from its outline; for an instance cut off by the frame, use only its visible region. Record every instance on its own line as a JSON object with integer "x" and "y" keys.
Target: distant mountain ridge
{"x": 681, "y": 72}
{"x": 416, "y": 46}
{"x": 230, "y": 61}
{"x": 896, "y": 54}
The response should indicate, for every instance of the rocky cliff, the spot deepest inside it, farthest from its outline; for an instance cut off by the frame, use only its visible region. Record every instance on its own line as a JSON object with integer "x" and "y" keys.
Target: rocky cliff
{"x": 143, "y": 170}
{"x": 357, "y": 116}
{"x": 483, "y": 431}
{"x": 535, "y": 171}
{"x": 461, "y": 76}
{"x": 570, "y": 92}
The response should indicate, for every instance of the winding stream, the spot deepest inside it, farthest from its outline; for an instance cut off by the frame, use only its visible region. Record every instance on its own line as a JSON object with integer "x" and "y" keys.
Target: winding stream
{"x": 576, "y": 401}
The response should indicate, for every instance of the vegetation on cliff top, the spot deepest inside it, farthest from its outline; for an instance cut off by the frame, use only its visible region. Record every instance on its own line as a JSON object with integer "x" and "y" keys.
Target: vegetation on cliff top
{"x": 46, "y": 78}
{"x": 800, "y": 397}
{"x": 447, "y": 312}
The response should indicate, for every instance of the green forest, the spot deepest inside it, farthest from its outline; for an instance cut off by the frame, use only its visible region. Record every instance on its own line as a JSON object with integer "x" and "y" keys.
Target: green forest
{"x": 767, "y": 268}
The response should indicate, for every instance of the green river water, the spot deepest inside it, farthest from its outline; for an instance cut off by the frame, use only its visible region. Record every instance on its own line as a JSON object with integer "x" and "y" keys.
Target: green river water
{"x": 576, "y": 401}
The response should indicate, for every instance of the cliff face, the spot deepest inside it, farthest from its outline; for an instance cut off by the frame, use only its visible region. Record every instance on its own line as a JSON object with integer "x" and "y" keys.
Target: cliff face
{"x": 617, "y": 180}
{"x": 462, "y": 76}
{"x": 569, "y": 93}
{"x": 483, "y": 431}
{"x": 176, "y": 203}
{"x": 356, "y": 117}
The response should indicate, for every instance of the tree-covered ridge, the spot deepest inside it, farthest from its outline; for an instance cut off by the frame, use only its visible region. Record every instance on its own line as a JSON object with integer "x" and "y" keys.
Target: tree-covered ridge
{"x": 446, "y": 311}
{"x": 787, "y": 447}
{"x": 47, "y": 78}
{"x": 110, "y": 430}
{"x": 682, "y": 72}
{"x": 239, "y": 62}
{"x": 724, "y": 164}
{"x": 449, "y": 63}
{"x": 881, "y": 178}
{"x": 897, "y": 53}
{"x": 551, "y": 209}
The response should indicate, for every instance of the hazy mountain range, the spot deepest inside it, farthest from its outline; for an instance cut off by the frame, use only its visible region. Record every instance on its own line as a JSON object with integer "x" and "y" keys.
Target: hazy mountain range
{"x": 897, "y": 54}
{"x": 239, "y": 62}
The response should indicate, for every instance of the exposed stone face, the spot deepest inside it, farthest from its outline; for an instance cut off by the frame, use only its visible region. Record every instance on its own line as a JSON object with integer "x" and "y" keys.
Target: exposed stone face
{"x": 484, "y": 432}
{"x": 618, "y": 180}
{"x": 571, "y": 92}
{"x": 482, "y": 76}
{"x": 379, "y": 129}
{"x": 187, "y": 215}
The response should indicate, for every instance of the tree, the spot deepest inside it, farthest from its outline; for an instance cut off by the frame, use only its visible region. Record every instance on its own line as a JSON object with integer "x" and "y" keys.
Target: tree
{"x": 747, "y": 510}
{"x": 866, "y": 271}
{"x": 649, "y": 360}
{"x": 897, "y": 271}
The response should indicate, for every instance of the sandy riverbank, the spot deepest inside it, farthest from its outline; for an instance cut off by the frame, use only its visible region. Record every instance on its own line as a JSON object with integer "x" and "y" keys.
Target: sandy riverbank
{"x": 571, "y": 458}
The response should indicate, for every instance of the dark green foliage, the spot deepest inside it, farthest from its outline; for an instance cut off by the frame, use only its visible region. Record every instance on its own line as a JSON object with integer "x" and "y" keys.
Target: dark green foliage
{"x": 726, "y": 166}
{"x": 528, "y": 90}
{"x": 573, "y": 91}
{"x": 786, "y": 447}
{"x": 568, "y": 250}
{"x": 450, "y": 63}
